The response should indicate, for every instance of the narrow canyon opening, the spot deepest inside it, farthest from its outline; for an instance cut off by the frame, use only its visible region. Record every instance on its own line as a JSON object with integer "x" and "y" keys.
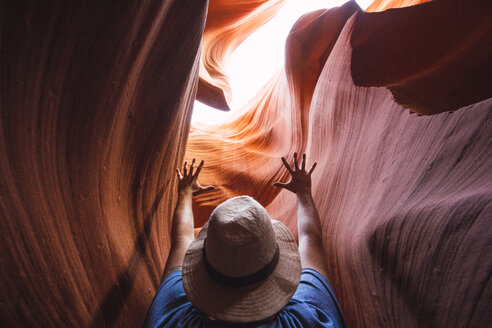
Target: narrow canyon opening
{"x": 393, "y": 101}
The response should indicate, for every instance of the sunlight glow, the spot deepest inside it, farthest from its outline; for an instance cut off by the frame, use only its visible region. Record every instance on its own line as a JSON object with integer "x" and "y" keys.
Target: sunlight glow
{"x": 260, "y": 56}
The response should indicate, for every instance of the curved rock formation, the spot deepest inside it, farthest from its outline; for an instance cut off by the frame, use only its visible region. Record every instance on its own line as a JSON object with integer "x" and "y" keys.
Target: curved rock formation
{"x": 95, "y": 106}
{"x": 382, "y": 5}
{"x": 432, "y": 59}
{"x": 242, "y": 154}
{"x": 406, "y": 203}
{"x": 405, "y": 200}
{"x": 95, "y": 109}
{"x": 229, "y": 23}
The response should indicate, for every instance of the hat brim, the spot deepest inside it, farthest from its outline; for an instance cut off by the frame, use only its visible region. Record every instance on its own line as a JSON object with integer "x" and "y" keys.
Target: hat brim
{"x": 243, "y": 304}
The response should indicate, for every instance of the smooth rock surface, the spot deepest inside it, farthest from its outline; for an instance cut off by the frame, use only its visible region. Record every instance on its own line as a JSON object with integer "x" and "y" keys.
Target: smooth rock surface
{"x": 95, "y": 106}
{"x": 406, "y": 203}
{"x": 405, "y": 200}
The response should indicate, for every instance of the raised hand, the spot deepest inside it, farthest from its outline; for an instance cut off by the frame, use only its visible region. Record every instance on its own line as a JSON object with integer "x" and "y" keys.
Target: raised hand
{"x": 188, "y": 182}
{"x": 300, "y": 180}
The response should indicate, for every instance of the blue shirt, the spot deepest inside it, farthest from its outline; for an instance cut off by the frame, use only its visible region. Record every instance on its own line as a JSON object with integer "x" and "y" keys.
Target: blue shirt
{"x": 313, "y": 305}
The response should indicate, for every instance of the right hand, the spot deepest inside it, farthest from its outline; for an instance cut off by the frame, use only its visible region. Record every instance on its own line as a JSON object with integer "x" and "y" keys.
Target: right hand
{"x": 188, "y": 182}
{"x": 300, "y": 180}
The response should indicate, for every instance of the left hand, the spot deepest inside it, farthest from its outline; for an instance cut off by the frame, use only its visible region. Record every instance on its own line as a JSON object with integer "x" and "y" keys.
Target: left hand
{"x": 188, "y": 182}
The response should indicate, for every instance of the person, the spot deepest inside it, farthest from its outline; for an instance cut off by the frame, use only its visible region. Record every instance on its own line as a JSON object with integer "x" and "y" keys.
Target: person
{"x": 244, "y": 269}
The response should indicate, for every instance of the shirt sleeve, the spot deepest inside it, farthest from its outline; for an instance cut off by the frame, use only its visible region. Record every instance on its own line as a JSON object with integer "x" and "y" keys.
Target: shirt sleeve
{"x": 170, "y": 299}
{"x": 313, "y": 305}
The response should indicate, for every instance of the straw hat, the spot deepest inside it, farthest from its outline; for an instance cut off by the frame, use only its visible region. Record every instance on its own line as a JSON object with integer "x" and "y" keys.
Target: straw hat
{"x": 242, "y": 266}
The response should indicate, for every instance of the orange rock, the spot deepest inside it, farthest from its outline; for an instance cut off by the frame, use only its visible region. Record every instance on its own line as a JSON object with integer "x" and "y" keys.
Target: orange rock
{"x": 95, "y": 108}
{"x": 94, "y": 113}
{"x": 405, "y": 200}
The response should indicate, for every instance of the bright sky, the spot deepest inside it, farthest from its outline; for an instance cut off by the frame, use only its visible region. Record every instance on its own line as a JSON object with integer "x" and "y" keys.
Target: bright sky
{"x": 260, "y": 56}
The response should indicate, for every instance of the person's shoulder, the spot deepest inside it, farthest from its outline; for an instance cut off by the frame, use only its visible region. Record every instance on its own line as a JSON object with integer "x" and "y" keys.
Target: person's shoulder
{"x": 314, "y": 283}
{"x": 313, "y": 272}
{"x": 170, "y": 303}
{"x": 312, "y": 275}
{"x": 316, "y": 293}
{"x": 313, "y": 288}
{"x": 172, "y": 277}
{"x": 171, "y": 270}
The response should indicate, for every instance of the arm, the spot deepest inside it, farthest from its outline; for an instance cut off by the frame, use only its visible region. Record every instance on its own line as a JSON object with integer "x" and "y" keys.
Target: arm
{"x": 308, "y": 222}
{"x": 182, "y": 226}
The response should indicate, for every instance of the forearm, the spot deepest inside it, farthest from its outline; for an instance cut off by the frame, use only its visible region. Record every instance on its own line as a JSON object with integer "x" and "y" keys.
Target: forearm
{"x": 181, "y": 231}
{"x": 182, "y": 227}
{"x": 310, "y": 233}
{"x": 309, "y": 225}
{"x": 183, "y": 224}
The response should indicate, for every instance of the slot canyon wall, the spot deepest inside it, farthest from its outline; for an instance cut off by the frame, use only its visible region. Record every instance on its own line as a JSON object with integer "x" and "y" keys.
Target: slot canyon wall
{"x": 96, "y": 100}
{"x": 395, "y": 107}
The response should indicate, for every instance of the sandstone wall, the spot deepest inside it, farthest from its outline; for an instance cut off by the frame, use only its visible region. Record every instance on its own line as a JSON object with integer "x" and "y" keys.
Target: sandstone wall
{"x": 395, "y": 107}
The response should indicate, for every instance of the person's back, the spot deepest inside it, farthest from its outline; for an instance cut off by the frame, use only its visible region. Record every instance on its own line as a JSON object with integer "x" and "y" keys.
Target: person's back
{"x": 244, "y": 269}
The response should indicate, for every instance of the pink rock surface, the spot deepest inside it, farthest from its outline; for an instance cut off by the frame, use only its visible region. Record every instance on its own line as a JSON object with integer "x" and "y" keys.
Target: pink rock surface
{"x": 95, "y": 106}
{"x": 434, "y": 57}
{"x": 405, "y": 202}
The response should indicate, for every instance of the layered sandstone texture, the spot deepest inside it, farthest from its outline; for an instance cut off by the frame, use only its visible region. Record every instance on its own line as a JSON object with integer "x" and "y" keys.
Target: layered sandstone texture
{"x": 394, "y": 105}
{"x": 96, "y": 99}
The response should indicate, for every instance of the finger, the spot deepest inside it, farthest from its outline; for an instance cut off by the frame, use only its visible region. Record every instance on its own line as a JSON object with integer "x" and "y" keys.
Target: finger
{"x": 185, "y": 168}
{"x": 198, "y": 170}
{"x": 303, "y": 162}
{"x": 191, "y": 166}
{"x": 285, "y": 186}
{"x": 180, "y": 177}
{"x": 280, "y": 184}
{"x": 287, "y": 166}
{"x": 203, "y": 189}
{"x": 208, "y": 188}
{"x": 296, "y": 166}
{"x": 312, "y": 168}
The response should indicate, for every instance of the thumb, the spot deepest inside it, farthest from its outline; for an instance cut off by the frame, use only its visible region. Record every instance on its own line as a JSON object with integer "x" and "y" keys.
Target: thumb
{"x": 280, "y": 184}
{"x": 203, "y": 189}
